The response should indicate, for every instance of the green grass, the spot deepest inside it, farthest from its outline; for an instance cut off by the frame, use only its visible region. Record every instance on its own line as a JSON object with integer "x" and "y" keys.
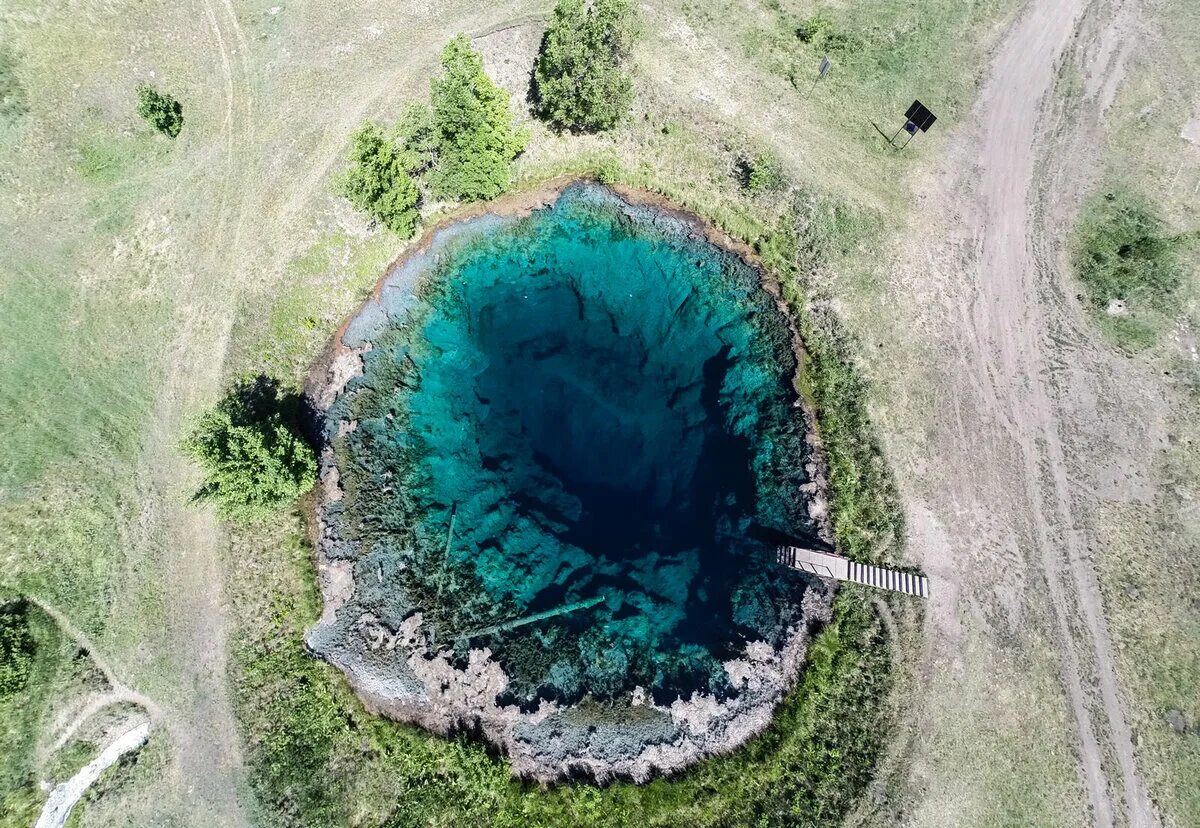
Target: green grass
{"x": 1151, "y": 584}
{"x": 134, "y": 771}
{"x": 884, "y": 55}
{"x": 318, "y": 758}
{"x": 279, "y": 332}
{"x": 70, "y": 759}
{"x": 87, "y": 329}
{"x": 23, "y": 714}
{"x": 1123, "y": 253}
{"x": 1148, "y": 550}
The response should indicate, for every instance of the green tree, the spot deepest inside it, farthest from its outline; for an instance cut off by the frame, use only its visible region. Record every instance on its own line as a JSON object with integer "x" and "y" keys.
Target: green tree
{"x": 579, "y": 80}
{"x": 476, "y": 141}
{"x": 250, "y": 448}
{"x": 162, "y": 111}
{"x": 379, "y": 181}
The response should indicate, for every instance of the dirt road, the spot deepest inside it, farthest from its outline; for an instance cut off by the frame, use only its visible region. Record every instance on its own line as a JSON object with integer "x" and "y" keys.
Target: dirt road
{"x": 1008, "y": 466}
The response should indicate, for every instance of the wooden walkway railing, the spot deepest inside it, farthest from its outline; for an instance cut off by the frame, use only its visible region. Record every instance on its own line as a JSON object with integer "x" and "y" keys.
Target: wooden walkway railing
{"x": 844, "y": 569}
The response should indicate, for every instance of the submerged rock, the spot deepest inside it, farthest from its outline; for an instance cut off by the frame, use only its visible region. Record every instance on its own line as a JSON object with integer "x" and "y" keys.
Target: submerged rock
{"x": 560, "y": 447}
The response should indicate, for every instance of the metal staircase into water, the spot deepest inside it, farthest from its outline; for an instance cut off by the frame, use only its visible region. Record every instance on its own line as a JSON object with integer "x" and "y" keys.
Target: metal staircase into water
{"x": 844, "y": 569}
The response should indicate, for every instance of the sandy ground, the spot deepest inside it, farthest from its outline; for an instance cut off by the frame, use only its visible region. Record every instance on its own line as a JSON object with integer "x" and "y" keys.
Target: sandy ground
{"x": 1000, "y": 519}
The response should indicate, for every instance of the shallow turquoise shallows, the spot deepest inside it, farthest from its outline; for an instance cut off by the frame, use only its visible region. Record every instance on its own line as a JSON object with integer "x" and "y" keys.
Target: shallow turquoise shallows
{"x": 585, "y": 413}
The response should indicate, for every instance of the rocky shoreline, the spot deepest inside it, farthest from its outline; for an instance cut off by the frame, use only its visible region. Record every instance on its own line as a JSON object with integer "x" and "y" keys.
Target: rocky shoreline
{"x": 398, "y": 673}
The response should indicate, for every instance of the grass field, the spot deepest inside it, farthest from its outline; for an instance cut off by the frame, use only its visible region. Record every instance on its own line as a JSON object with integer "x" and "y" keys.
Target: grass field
{"x": 1149, "y": 573}
{"x": 145, "y": 274}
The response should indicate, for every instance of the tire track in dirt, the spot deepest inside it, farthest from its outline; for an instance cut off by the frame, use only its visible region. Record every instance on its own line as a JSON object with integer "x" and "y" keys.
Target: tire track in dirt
{"x": 1008, "y": 333}
{"x": 184, "y": 540}
{"x": 120, "y": 691}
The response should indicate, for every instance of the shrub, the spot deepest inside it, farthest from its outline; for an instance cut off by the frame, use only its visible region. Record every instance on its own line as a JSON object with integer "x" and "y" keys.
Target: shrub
{"x": 579, "y": 80}
{"x": 607, "y": 169}
{"x": 16, "y": 649}
{"x": 1128, "y": 266}
{"x": 476, "y": 141}
{"x": 378, "y": 181}
{"x": 820, "y": 32}
{"x": 254, "y": 459}
{"x": 1121, "y": 252}
{"x": 760, "y": 174}
{"x": 162, "y": 111}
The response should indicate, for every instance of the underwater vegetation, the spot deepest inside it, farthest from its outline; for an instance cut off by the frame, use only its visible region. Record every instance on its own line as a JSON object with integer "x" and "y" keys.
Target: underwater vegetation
{"x": 574, "y": 442}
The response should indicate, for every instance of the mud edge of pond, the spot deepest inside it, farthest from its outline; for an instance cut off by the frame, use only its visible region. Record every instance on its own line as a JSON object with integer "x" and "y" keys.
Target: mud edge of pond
{"x": 553, "y": 743}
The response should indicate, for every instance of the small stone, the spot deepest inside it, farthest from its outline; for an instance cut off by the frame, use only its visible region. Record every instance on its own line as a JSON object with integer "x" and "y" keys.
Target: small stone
{"x": 1177, "y": 721}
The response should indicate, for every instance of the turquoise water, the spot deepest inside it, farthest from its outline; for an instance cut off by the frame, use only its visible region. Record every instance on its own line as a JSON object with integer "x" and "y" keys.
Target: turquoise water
{"x": 600, "y": 402}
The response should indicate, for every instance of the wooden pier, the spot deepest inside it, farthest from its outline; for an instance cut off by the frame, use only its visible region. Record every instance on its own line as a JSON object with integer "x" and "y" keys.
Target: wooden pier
{"x": 844, "y": 569}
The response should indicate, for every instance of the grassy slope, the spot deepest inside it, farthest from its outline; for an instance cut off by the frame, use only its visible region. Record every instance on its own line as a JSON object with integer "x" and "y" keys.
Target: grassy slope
{"x": 1150, "y": 573}
{"x": 117, "y": 237}
{"x": 23, "y": 716}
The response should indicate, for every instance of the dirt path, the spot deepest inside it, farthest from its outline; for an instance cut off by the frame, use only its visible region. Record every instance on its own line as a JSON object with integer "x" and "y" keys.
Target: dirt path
{"x": 118, "y": 690}
{"x": 64, "y": 797}
{"x": 1007, "y": 319}
{"x": 1006, "y": 422}
{"x": 182, "y": 544}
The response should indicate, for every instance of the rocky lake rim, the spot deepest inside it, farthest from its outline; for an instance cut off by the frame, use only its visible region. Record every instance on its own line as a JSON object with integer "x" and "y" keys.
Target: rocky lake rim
{"x": 500, "y": 724}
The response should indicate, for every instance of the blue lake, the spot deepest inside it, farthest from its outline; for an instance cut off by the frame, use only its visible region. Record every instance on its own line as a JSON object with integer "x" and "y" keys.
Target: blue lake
{"x": 598, "y": 402}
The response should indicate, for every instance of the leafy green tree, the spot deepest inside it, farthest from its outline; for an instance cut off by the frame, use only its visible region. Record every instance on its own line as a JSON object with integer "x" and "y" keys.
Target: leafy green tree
{"x": 379, "y": 181}
{"x": 250, "y": 448}
{"x": 162, "y": 111}
{"x": 579, "y": 80}
{"x": 476, "y": 141}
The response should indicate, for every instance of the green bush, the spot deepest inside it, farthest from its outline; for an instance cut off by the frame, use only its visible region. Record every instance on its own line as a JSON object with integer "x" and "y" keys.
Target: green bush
{"x": 379, "y": 181}
{"x": 16, "y": 649}
{"x": 162, "y": 111}
{"x": 760, "y": 174}
{"x": 250, "y": 448}
{"x": 462, "y": 148}
{"x": 820, "y": 32}
{"x": 1128, "y": 266}
{"x": 1121, "y": 253}
{"x": 580, "y": 82}
{"x": 476, "y": 141}
{"x": 607, "y": 169}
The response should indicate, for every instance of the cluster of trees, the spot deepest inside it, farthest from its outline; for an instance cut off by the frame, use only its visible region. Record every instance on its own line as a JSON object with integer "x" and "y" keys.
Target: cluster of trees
{"x": 254, "y": 457}
{"x": 163, "y": 112}
{"x": 461, "y": 145}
